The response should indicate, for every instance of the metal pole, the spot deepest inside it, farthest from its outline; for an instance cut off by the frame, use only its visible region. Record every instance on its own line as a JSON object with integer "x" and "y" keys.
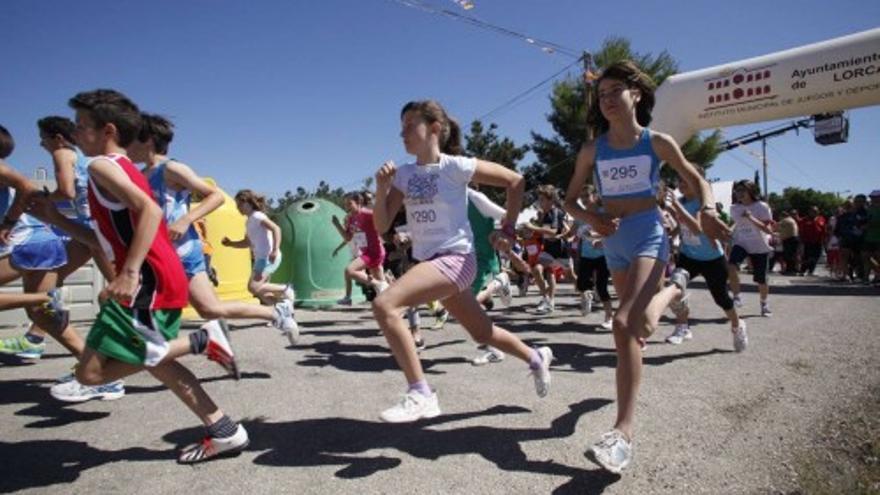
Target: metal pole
{"x": 764, "y": 157}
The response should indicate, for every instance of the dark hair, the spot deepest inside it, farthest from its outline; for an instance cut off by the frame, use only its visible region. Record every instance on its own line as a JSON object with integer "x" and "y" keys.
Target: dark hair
{"x": 628, "y": 73}
{"x": 430, "y": 111}
{"x": 157, "y": 128}
{"x": 107, "y": 106}
{"x": 7, "y": 144}
{"x": 750, "y": 187}
{"x": 54, "y": 125}
{"x": 356, "y": 196}
{"x": 257, "y": 202}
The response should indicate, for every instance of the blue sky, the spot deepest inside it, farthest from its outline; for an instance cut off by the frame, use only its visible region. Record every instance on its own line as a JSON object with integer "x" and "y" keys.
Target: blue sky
{"x": 273, "y": 95}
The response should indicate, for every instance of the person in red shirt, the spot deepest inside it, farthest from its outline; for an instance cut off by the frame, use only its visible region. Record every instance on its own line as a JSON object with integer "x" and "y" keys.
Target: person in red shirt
{"x": 811, "y": 228}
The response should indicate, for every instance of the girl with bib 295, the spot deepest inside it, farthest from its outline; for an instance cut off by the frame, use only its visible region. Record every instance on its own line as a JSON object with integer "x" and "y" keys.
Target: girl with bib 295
{"x": 624, "y": 164}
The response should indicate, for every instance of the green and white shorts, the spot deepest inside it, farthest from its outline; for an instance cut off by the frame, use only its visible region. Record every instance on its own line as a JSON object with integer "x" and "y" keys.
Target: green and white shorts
{"x": 132, "y": 335}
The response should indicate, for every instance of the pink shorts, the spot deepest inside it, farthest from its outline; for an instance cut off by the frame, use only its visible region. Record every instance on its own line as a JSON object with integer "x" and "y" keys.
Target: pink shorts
{"x": 373, "y": 259}
{"x": 460, "y": 269}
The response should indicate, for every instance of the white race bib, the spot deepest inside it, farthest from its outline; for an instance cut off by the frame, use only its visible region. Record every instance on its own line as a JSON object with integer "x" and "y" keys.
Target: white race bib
{"x": 360, "y": 240}
{"x": 688, "y": 237}
{"x": 628, "y": 175}
{"x": 429, "y": 221}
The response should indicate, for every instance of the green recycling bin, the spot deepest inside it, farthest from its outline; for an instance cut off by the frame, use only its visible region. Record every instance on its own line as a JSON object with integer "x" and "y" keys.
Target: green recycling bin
{"x": 308, "y": 239}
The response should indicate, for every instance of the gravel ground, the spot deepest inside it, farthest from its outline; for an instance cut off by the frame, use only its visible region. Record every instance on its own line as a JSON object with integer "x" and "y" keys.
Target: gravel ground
{"x": 708, "y": 420}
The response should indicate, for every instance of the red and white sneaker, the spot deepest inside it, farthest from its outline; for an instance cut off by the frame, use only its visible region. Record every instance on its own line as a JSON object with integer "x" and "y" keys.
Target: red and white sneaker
{"x": 211, "y": 447}
{"x": 219, "y": 349}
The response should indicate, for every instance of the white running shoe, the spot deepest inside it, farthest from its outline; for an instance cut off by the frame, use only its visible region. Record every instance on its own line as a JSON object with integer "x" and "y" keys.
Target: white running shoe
{"x": 680, "y": 334}
{"x": 740, "y": 337}
{"x": 412, "y": 407}
{"x": 380, "y": 286}
{"x": 219, "y": 349}
{"x": 765, "y": 310}
{"x": 503, "y": 291}
{"x": 613, "y": 452}
{"x": 545, "y": 306}
{"x": 289, "y": 293}
{"x": 211, "y": 447}
{"x": 492, "y": 355}
{"x": 542, "y": 374}
{"x": 737, "y": 302}
{"x": 608, "y": 324}
{"x": 285, "y": 322}
{"x": 73, "y": 391}
{"x": 586, "y": 303}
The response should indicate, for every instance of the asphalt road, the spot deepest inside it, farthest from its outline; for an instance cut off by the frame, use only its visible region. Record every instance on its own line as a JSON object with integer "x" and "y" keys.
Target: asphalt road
{"x": 708, "y": 420}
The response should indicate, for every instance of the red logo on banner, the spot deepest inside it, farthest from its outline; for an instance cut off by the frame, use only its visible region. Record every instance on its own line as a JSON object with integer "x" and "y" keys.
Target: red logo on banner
{"x": 739, "y": 86}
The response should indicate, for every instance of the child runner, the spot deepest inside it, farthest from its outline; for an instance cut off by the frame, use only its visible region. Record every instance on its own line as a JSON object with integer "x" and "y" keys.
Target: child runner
{"x": 14, "y": 191}
{"x": 700, "y": 255}
{"x": 753, "y": 226}
{"x": 366, "y": 268}
{"x": 172, "y": 184}
{"x": 592, "y": 268}
{"x": 624, "y": 161}
{"x": 434, "y": 190}
{"x": 35, "y": 253}
{"x": 137, "y": 326}
{"x": 551, "y": 225}
{"x": 263, "y": 237}
{"x": 482, "y": 215}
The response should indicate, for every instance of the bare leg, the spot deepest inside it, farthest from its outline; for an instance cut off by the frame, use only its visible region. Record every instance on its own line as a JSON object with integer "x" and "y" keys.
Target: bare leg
{"x": 41, "y": 282}
{"x": 636, "y": 286}
{"x": 15, "y": 301}
{"x": 180, "y": 380}
{"x": 422, "y": 283}
{"x": 209, "y": 306}
{"x": 467, "y": 311}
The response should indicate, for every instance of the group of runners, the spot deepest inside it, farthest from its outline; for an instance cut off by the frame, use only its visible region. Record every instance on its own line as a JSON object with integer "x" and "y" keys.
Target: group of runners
{"x": 429, "y": 236}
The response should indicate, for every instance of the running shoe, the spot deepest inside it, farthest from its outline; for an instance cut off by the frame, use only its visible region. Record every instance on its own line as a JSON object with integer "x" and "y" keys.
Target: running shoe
{"x": 345, "y": 301}
{"x": 22, "y": 348}
{"x": 737, "y": 302}
{"x": 765, "y": 310}
{"x": 607, "y": 324}
{"x": 420, "y": 344}
{"x": 546, "y": 306}
{"x": 491, "y": 355}
{"x": 740, "y": 337}
{"x": 613, "y": 452}
{"x": 289, "y": 293}
{"x": 211, "y": 447}
{"x": 503, "y": 291}
{"x": 381, "y": 286}
{"x": 680, "y": 334}
{"x": 542, "y": 374}
{"x": 285, "y": 322}
{"x": 586, "y": 303}
{"x": 412, "y": 407}
{"x": 55, "y": 308}
{"x": 440, "y": 319}
{"x": 74, "y": 391}
{"x": 219, "y": 349}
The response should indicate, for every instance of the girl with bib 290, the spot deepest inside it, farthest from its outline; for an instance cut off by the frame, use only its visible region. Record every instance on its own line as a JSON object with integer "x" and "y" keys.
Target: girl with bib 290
{"x": 434, "y": 191}
{"x": 624, "y": 163}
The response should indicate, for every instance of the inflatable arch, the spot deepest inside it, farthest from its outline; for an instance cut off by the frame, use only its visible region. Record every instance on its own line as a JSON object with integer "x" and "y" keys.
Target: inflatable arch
{"x": 829, "y": 76}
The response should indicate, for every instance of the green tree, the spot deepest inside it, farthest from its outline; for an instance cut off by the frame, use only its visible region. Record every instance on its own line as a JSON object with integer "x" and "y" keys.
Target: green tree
{"x": 802, "y": 199}
{"x": 323, "y": 191}
{"x": 556, "y": 154}
{"x": 485, "y": 144}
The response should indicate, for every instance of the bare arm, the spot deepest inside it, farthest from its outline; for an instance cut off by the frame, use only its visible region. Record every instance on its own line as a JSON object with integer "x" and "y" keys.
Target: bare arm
{"x": 583, "y": 169}
{"x": 44, "y": 208}
{"x": 64, "y": 161}
{"x": 493, "y": 174}
{"x": 276, "y": 233}
{"x": 180, "y": 176}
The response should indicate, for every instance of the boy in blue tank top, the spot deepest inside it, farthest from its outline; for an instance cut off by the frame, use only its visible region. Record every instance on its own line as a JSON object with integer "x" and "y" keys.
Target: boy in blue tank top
{"x": 624, "y": 163}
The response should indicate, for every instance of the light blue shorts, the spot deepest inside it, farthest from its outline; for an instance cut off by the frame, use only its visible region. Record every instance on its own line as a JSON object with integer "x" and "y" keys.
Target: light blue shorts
{"x": 263, "y": 267}
{"x": 638, "y": 236}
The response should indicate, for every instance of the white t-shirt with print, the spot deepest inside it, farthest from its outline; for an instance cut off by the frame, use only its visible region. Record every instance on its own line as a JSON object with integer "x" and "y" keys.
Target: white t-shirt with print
{"x": 435, "y": 197}
{"x": 745, "y": 233}
{"x": 259, "y": 236}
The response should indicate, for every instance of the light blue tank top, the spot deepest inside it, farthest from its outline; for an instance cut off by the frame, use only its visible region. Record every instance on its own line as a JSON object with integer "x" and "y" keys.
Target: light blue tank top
{"x": 587, "y": 250}
{"x": 28, "y": 229}
{"x": 174, "y": 204}
{"x": 629, "y": 173}
{"x": 697, "y": 246}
